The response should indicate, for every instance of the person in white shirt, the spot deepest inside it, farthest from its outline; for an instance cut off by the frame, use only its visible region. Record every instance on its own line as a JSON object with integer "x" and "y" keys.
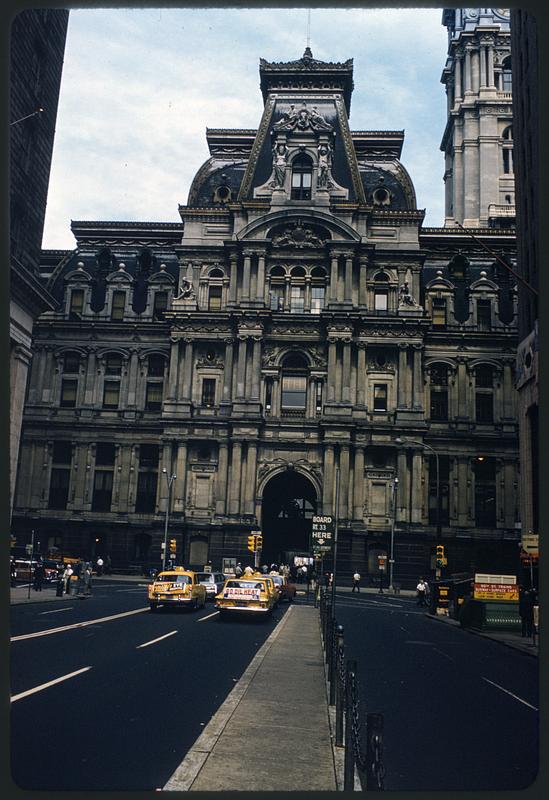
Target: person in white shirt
{"x": 356, "y": 582}
{"x": 421, "y": 592}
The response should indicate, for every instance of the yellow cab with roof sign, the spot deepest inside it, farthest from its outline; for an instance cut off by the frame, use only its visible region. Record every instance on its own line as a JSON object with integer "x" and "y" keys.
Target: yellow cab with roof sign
{"x": 177, "y": 586}
{"x": 250, "y": 593}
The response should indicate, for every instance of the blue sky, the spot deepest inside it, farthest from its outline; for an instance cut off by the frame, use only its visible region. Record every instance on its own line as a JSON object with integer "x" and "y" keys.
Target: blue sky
{"x": 140, "y": 86}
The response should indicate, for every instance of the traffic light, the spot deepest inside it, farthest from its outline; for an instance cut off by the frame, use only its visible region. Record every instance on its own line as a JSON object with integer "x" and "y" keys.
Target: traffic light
{"x": 251, "y": 543}
{"x": 173, "y": 546}
{"x": 440, "y": 559}
{"x": 258, "y": 541}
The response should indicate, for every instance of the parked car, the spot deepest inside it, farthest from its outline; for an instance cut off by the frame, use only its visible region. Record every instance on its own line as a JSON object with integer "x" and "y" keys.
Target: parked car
{"x": 254, "y": 595}
{"x": 51, "y": 569}
{"x": 213, "y": 581}
{"x": 178, "y": 587}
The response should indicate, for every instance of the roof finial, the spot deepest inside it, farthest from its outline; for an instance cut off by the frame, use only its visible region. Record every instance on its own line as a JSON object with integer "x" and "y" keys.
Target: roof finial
{"x": 308, "y": 48}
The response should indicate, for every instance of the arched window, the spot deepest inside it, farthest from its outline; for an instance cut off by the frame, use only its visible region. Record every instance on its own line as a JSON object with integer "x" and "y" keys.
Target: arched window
{"x": 302, "y": 177}
{"x": 507, "y": 151}
{"x": 318, "y": 289}
{"x": 484, "y": 394}
{"x": 215, "y": 290}
{"x": 155, "y": 384}
{"x": 297, "y": 290}
{"x": 294, "y": 384}
{"x": 506, "y": 76}
{"x": 276, "y": 289}
{"x": 69, "y": 381}
{"x": 381, "y": 293}
{"x": 439, "y": 393}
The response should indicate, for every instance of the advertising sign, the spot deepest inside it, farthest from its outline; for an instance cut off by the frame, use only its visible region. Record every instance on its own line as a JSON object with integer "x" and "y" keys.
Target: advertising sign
{"x": 496, "y": 591}
{"x": 241, "y": 593}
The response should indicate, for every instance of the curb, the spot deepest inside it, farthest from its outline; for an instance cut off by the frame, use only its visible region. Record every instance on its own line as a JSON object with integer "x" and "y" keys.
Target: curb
{"x": 455, "y": 623}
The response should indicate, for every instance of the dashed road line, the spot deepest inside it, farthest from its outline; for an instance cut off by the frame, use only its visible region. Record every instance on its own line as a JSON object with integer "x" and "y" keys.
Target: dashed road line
{"x": 510, "y": 693}
{"x": 21, "y": 695}
{"x": 56, "y": 611}
{"x": 153, "y": 641}
{"x": 76, "y": 625}
{"x": 202, "y": 619}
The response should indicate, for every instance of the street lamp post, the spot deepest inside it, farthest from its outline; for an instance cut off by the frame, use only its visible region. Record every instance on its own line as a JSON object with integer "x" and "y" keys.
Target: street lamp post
{"x": 169, "y": 480}
{"x": 438, "y": 498}
{"x": 392, "y": 551}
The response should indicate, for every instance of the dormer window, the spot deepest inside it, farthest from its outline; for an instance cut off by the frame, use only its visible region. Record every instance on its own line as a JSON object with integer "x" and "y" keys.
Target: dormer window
{"x": 439, "y": 312}
{"x": 77, "y": 304}
{"x": 160, "y": 305}
{"x": 302, "y": 178}
{"x": 118, "y": 305}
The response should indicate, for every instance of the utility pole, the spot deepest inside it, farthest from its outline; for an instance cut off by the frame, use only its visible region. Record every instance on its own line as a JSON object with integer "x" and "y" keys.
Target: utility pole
{"x": 169, "y": 479}
{"x": 336, "y": 524}
{"x": 392, "y": 551}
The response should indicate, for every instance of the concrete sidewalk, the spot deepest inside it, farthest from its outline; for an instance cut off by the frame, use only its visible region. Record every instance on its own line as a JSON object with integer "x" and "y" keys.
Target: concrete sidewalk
{"x": 272, "y": 733}
{"x": 508, "y": 638}
{"x": 20, "y": 593}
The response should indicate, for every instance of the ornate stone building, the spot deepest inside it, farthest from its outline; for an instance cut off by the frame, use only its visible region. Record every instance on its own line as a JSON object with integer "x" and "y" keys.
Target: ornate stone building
{"x": 297, "y": 322}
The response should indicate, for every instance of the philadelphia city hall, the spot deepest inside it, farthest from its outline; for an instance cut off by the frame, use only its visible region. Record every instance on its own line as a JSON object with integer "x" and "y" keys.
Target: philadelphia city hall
{"x": 298, "y": 323}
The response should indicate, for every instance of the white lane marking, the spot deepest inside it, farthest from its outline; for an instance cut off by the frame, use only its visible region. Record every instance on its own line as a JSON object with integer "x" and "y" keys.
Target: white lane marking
{"x": 510, "y": 693}
{"x": 77, "y": 625}
{"x": 118, "y": 591}
{"x": 153, "y": 641}
{"x": 215, "y": 613}
{"x": 46, "y": 685}
{"x": 57, "y": 610}
{"x": 443, "y": 654}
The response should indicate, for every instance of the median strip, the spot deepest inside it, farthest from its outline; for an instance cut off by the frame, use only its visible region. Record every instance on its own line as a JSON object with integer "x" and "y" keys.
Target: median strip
{"x": 48, "y": 684}
{"x": 153, "y": 641}
{"x": 76, "y": 625}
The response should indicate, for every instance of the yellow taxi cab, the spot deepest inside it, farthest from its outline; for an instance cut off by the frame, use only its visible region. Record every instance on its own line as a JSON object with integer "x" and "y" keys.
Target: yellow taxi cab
{"x": 271, "y": 583}
{"x": 178, "y": 587}
{"x": 254, "y": 594}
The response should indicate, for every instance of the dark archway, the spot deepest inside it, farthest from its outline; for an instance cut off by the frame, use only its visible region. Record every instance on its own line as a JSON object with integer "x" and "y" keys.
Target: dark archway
{"x": 289, "y": 502}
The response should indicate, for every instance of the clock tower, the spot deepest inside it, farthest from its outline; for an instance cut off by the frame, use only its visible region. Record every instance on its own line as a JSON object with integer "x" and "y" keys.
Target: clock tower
{"x": 478, "y": 139}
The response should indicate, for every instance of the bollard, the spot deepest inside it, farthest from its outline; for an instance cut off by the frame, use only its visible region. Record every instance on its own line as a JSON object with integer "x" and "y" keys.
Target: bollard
{"x": 335, "y": 679}
{"x": 349, "y": 758}
{"x": 374, "y": 751}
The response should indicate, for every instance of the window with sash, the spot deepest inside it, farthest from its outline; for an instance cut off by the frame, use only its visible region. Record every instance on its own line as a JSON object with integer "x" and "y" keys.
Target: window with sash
{"x": 77, "y": 304}
{"x": 118, "y": 305}
{"x": 302, "y": 177}
{"x": 380, "y": 397}
{"x": 69, "y": 387}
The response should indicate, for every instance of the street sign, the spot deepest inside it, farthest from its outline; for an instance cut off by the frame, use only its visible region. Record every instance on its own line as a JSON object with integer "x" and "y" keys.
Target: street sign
{"x": 382, "y": 562}
{"x": 322, "y": 524}
{"x": 530, "y": 544}
{"x": 495, "y": 587}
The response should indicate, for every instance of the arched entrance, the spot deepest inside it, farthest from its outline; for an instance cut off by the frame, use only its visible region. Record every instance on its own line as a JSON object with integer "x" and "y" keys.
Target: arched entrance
{"x": 289, "y": 502}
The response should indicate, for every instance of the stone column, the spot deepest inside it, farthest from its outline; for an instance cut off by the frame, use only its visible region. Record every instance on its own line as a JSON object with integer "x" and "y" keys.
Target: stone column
{"x": 261, "y": 278}
{"x": 246, "y": 275}
{"x": 402, "y": 374}
{"x": 462, "y": 380}
{"x": 48, "y": 376}
{"x": 131, "y": 386}
{"x": 418, "y": 377}
{"x": 173, "y": 374}
{"x": 188, "y": 370}
{"x": 348, "y": 296}
{"x": 338, "y": 373}
{"x": 417, "y": 486}
{"x": 358, "y": 484}
{"x": 251, "y": 464}
{"x": 346, "y": 380}
{"x": 307, "y": 295}
{"x": 463, "y": 494}
{"x": 475, "y": 71}
{"x": 332, "y": 355}
{"x": 228, "y": 371}
{"x": 181, "y": 479}
{"x": 403, "y": 494}
{"x": 37, "y": 375}
{"x": 362, "y": 292}
{"x": 235, "y": 478}
{"x": 333, "y": 280}
{"x": 233, "y": 280}
{"x": 490, "y": 76}
{"x": 241, "y": 367}
{"x": 468, "y": 84}
{"x": 508, "y": 392}
{"x": 343, "y": 481}
{"x": 221, "y": 482}
{"x": 361, "y": 374}
{"x": 166, "y": 463}
{"x": 91, "y": 377}
{"x": 256, "y": 369}
{"x": 483, "y": 66}
{"x": 459, "y": 62}
{"x": 328, "y": 483}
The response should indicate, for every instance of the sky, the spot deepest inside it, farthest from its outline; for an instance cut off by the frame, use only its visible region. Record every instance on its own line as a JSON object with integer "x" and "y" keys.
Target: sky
{"x": 141, "y": 85}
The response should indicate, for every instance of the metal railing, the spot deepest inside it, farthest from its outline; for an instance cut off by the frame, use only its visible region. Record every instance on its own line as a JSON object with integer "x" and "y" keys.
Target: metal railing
{"x": 344, "y": 694}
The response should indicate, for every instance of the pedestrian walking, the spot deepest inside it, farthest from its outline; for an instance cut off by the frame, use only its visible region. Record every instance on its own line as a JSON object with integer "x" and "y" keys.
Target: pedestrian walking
{"x": 265, "y": 569}
{"x": 60, "y": 583}
{"x": 99, "y": 566}
{"x": 108, "y": 564}
{"x": 326, "y": 580}
{"x": 421, "y": 589}
{"x": 87, "y": 579}
{"x": 526, "y": 611}
{"x": 67, "y": 575}
{"x": 238, "y": 570}
{"x": 38, "y": 576}
{"x": 248, "y": 570}
{"x": 13, "y": 572}
{"x": 356, "y": 582}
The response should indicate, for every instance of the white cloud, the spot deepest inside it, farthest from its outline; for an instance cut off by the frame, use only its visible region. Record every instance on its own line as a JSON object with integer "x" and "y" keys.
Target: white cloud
{"x": 140, "y": 86}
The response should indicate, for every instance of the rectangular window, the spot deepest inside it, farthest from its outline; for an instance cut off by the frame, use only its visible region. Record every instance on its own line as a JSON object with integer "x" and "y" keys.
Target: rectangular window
{"x": 59, "y": 488}
{"x": 202, "y": 495}
{"x": 381, "y": 301}
{"x": 484, "y": 315}
{"x": 214, "y": 298}
{"x": 378, "y": 495}
{"x": 484, "y": 406}
{"x": 439, "y": 405}
{"x": 444, "y": 480}
{"x": 156, "y": 366}
{"x": 277, "y": 298}
{"x": 294, "y": 391}
{"x": 71, "y": 363}
{"x": 62, "y": 453}
{"x": 105, "y": 453}
{"x": 118, "y": 305}
{"x": 113, "y": 365}
{"x": 102, "y": 490}
{"x": 317, "y": 299}
{"x": 68, "y": 393}
{"x": 439, "y": 313}
{"x": 111, "y": 394}
{"x": 380, "y": 397}
{"x": 297, "y": 299}
{"x": 148, "y": 456}
{"x": 208, "y": 392}
{"x": 160, "y": 305}
{"x": 77, "y": 303}
{"x": 145, "y": 501}
{"x": 153, "y": 399}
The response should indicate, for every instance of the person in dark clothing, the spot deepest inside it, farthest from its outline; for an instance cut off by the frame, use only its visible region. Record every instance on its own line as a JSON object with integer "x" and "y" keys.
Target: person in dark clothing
{"x": 327, "y": 579}
{"x": 13, "y": 572}
{"x": 526, "y": 611}
{"x": 38, "y": 576}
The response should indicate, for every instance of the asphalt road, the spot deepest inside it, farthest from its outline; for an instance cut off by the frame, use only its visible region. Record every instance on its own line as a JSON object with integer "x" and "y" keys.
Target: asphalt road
{"x": 460, "y": 711}
{"x": 127, "y": 719}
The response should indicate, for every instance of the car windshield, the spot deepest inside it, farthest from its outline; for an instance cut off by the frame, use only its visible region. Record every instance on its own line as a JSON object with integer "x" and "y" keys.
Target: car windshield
{"x": 171, "y": 578}
{"x": 245, "y": 585}
{"x": 204, "y": 577}
{"x": 277, "y": 579}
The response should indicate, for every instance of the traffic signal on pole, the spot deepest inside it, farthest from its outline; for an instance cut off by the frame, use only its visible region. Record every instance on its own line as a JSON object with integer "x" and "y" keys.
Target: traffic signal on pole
{"x": 173, "y": 546}
{"x": 251, "y": 543}
{"x": 258, "y": 541}
{"x": 440, "y": 559}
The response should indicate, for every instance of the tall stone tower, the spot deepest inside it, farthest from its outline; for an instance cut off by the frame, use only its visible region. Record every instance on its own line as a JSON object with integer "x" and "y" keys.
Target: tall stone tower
{"x": 478, "y": 139}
